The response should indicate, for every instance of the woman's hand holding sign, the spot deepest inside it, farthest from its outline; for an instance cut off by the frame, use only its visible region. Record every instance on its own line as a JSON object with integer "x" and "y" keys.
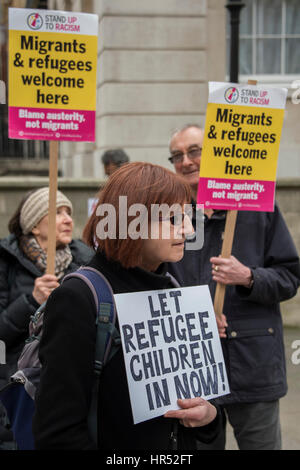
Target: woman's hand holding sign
{"x": 43, "y": 286}
{"x": 194, "y": 412}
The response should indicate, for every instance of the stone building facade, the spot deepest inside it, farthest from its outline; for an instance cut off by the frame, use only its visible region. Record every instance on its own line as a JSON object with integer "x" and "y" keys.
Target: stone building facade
{"x": 155, "y": 61}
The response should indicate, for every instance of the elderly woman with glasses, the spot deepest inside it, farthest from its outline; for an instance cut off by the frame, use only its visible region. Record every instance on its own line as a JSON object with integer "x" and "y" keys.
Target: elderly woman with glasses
{"x": 130, "y": 264}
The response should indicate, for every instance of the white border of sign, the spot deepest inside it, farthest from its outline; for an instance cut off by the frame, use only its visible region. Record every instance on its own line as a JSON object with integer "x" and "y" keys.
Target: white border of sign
{"x": 154, "y": 389}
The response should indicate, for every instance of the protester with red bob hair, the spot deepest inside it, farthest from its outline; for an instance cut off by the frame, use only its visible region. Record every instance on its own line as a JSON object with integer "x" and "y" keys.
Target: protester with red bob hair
{"x": 130, "y": 264}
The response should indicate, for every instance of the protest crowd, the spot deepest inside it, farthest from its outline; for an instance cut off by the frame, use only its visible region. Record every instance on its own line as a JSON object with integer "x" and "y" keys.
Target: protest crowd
{"x": 262, "y": 271}
{"x": 151, "y": 332}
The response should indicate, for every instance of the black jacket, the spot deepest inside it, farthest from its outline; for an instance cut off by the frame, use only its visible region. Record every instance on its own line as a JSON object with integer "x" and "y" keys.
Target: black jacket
{"x": 253, "y": 349}
{"x": 17, "y": 276}
{"x": 67, "y": 357}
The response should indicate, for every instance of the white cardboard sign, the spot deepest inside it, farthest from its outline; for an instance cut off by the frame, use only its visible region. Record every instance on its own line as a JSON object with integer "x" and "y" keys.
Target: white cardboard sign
{"x": 171, "y": 347}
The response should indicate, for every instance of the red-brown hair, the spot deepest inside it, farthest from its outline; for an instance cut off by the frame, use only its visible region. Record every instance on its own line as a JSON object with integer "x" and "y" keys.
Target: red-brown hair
{"x": 142, "y": 183}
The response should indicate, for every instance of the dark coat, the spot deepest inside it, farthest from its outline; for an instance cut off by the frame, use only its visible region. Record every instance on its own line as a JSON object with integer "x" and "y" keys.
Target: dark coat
{"x": 67, "y": 357}
{"x": 17, "y": 276}
{"x": 253, "y": 349}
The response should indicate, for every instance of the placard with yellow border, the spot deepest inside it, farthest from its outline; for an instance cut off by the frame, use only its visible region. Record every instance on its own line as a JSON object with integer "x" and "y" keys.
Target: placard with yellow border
{"x": 52, "y": 75}
{"x": 241, "y": 145}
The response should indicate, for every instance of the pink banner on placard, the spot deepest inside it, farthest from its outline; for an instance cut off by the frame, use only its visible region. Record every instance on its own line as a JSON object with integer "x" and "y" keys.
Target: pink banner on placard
{"x": 230, "y": 194}
{"x": 48, "y": 124}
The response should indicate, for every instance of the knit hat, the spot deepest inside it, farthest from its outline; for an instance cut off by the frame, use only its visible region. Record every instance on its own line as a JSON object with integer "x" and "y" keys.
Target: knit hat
{"x": 36, "y": 207}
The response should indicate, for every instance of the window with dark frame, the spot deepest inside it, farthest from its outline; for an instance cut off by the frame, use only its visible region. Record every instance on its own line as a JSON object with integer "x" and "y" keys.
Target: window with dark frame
{"x": 269, "y": 38}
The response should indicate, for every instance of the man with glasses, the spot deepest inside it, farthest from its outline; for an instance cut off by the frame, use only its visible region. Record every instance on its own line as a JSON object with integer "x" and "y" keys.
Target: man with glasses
{"x": 263, "y": 270}
{"x": 185, "y": 149}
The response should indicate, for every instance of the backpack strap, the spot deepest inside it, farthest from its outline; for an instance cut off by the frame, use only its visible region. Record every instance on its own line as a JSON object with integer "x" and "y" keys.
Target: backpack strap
{"x": 107, "y": 336}
{"x": 173, "y": 280}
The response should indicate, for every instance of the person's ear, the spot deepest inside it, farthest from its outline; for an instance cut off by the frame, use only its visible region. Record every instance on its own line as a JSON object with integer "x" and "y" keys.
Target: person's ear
{"x": 35, "y": 231}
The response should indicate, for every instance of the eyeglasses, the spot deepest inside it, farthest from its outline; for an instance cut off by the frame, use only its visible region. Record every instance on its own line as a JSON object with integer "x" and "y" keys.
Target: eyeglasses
{"x": 178, "y": 219}
{"x": 191, "y": 154}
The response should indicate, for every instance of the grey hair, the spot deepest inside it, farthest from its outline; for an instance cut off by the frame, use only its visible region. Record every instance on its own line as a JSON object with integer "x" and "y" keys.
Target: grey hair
{"x": 117, "y": 156}
{"x": 184, "y": 128}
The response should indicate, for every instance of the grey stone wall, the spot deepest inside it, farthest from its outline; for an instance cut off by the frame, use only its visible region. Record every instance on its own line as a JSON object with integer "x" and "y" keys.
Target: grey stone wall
{"x": 79, "y": 191}
{"x": 155, "y": 59}
{"x": 288, "y": 198}
{"x": 289, "y": 152}
{"x": 154, "y": 62}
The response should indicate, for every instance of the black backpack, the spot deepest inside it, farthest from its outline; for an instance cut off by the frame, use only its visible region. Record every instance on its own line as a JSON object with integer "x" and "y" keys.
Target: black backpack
{"x": 19, "y": 394}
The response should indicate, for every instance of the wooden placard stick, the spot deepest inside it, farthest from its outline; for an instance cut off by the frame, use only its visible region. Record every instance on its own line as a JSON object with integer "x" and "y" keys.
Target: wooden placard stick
{"x": 53, "y": 164}
{"x": 225, "y": 253}
{"x": 226, "y": 249}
